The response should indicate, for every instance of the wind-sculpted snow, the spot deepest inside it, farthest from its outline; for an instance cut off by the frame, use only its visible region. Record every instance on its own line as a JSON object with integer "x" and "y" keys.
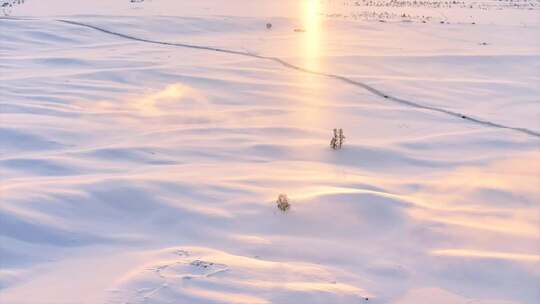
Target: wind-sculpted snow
{"x": 301, "y": 69}
{"x": 134, "y": 172}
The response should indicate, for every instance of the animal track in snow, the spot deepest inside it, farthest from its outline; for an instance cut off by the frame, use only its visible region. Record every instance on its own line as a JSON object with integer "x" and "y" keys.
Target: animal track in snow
{"x": 167, "y": 274}
{"x": 209, "y": 269}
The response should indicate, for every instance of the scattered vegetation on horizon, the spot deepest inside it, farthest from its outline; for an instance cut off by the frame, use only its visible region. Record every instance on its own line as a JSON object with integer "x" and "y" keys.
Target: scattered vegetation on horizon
{"x": 390, "y": 10}
{"x": 7, "y": 6}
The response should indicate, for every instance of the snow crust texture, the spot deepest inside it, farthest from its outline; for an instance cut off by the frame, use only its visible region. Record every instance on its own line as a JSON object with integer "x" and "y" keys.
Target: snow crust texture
{"x": 142, "y": 172}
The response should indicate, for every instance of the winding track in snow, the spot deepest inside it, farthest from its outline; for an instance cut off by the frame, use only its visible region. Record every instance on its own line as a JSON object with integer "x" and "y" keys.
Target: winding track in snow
{"x": 301, "y": 69}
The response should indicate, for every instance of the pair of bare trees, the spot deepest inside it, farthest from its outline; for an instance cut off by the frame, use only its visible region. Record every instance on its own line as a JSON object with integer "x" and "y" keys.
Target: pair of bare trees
{"x": 337, "y": 141}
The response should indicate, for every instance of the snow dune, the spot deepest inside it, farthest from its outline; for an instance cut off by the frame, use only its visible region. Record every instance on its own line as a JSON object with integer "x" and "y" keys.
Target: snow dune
{"x": 136, "y": 172}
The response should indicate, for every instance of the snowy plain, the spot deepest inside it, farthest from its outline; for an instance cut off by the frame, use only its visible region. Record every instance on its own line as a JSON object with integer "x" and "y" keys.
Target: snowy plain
{"x": 143, "y": 146}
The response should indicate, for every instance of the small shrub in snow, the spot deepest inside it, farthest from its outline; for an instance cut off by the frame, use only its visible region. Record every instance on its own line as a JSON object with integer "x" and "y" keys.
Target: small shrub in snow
{"x": 337, "y": 141}
{"x": 283, "y": 202}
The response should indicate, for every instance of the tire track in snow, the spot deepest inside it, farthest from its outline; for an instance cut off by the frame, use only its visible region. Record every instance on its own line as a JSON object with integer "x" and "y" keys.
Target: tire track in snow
{"x": 356, "y": 83}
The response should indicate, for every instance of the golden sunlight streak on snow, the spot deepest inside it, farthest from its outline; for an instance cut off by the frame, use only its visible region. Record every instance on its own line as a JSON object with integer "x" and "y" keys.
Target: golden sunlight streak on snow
{"x": 310, "y": 51}
{"x": 311, "y": 44}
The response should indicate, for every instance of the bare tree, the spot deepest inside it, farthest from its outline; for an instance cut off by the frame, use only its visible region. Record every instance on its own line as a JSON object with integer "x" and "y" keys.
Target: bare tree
{"x": 341, "y": 138}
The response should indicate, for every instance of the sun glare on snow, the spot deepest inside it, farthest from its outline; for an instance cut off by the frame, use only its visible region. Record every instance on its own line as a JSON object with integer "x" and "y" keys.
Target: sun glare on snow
{"x": 311, "y": 22}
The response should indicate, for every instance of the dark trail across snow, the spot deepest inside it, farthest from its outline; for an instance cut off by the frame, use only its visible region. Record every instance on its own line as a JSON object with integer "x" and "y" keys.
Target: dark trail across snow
{"x": 301, "y": 69}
